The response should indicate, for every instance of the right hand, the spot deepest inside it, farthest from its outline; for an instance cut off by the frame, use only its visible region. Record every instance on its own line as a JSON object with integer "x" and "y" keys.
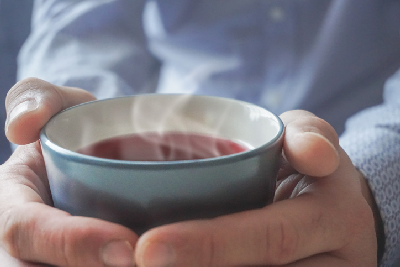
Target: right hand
{"x": 31, "y": 230}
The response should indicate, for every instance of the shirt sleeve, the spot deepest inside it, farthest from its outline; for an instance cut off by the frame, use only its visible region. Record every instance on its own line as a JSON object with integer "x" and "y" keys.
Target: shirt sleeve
{"x": 372, "y": 140}
{"x": 97, "y": 45}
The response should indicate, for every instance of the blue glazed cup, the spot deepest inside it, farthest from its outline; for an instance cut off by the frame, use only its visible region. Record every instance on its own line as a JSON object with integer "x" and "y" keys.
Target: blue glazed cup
{"x": 144, "y": 194}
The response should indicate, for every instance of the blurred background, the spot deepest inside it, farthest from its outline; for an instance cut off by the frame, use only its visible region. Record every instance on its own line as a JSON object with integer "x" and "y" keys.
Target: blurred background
{"x": 15, "y": 18}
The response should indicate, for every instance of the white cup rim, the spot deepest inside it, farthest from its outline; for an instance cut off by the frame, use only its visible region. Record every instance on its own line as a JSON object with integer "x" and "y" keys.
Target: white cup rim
{"x": 93, "y": 160}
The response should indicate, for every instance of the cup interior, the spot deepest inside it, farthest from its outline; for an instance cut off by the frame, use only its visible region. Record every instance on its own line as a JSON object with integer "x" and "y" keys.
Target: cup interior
{"x": 238, "y": 121}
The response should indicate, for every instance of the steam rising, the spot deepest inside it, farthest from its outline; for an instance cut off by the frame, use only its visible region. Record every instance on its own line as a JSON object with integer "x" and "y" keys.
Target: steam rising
{"x": 152, "y": 116}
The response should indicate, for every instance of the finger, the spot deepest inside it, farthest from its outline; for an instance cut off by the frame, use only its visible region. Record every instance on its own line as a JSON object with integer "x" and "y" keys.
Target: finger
{"x": 7, "y": 260}
{"x": 290, "y": 186}
{"x": 39, "y": 233}
{"x": 23, "y": 177}
{"x": 32, "y": 102}
{"x": 334, "y": 260}
{"x": 325, "y": 260}
{"x": 311, "y": 145}
{"x": 282, "y": 233}
{"x": 33, "y": 231}
{"x": 250, "y": 238}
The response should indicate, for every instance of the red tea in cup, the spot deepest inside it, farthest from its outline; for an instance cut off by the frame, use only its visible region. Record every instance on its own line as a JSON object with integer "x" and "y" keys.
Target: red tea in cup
{"x": 169, "y": 146}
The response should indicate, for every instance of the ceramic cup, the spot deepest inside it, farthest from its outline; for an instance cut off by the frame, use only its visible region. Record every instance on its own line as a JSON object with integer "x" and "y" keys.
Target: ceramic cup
{"x": 143, "y": 193}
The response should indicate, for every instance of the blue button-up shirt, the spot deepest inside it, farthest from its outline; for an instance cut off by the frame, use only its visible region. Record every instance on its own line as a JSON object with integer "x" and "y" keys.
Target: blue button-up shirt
{"x": 331, "y": 57}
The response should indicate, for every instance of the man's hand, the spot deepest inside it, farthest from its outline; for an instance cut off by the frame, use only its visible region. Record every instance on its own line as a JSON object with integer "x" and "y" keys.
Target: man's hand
{"x": 31, "y": 230}
{"x": 320, "y": 216}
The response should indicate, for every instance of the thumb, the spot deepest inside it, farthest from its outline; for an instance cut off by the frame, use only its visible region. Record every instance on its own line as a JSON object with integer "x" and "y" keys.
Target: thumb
{"x": 311, "y": 144}
{"x": 39, "y": 233}
{"x": 32, "y": 102}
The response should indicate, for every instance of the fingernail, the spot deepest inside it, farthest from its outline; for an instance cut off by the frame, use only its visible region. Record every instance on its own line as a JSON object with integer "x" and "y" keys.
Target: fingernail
{"x": 314, "y": 134}
{"x": 158, "y": 255}
{"x": 117, "y": 254}
{"x": 23, "y": 107}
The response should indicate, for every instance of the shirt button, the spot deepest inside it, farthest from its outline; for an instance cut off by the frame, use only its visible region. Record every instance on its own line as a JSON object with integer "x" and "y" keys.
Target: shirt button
{"x": 276, "y": 14}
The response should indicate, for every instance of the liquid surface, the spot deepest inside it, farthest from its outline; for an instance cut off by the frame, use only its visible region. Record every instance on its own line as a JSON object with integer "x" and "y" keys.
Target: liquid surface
{"x": 170, "y": 146}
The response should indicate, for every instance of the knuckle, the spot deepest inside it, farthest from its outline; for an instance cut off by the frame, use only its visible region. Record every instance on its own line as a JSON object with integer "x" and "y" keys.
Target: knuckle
{"x": 28, "y": 89}
{"x": 17, "y": 175}
{"x": 20, "y": 89}
{"x": 210, "y": 246}
{"x": 282, "y": 242}
{"x": 54, "y": 242}
{"x": 64, "y": 248}
{"x": 10, "y": 233}
{"x": 73, "y": 244}
{"x": 22, "y": 237}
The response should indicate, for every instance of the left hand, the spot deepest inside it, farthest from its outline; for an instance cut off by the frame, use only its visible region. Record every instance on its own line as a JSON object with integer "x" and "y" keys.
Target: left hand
{"x": 321, "y": 215}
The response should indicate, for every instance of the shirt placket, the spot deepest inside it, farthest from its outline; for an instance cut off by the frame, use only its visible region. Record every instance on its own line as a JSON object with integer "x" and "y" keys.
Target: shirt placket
{"x": 279, "y": 38}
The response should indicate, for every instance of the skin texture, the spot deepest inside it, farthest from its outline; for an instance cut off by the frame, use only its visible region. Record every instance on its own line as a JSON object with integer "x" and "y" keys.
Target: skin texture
{"x": 322, "y": 214}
